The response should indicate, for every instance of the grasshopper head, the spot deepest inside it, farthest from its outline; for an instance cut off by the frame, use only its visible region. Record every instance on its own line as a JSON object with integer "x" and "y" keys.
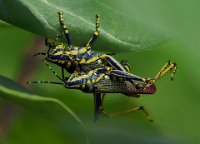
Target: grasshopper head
{"x": 148, "y": 90}
{"x": 145, "y": 88}
{"x": 59, "y": 55}
{"x": 138, "y": 88}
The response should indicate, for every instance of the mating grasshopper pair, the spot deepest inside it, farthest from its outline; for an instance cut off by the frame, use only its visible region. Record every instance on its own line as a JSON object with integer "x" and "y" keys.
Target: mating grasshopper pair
{"x": 97, "y": 73}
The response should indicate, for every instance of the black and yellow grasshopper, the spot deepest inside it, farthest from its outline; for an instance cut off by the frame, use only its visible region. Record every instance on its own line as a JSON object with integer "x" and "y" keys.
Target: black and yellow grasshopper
{"x": 100, "y": 81}
{"x": 79, "y": 59}
{"x": 97, "y": 73}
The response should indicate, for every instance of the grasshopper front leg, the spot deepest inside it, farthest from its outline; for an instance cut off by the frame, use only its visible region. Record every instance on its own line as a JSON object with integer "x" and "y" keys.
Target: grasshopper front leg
{"x": 169, "y": 66}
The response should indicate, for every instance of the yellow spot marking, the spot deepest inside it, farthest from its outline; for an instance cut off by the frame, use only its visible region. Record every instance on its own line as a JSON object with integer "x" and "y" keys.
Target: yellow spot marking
{"x": 59, "y": 53}
{"x": 143, "y": 79}
{"x": 74, "y": 52}
{"x": 61, "y": 61}
{"x": 53, "y": 60}
{"x": 127, "y": 68}
{"x": 83, "y": 60}
{"x": 90, "y": 73}
{"x": 83, "y": 50}
{"x": 82, "y": 86}
{"x": 88, "y": 81}
{"x": 96, "y": 33}
{"x": 69, "y": 64}
{"x": 67, "y": 53}
{"x": 80, "y": 77}
{"x": 92, "y": 60}
{"x": 100, "y": 77}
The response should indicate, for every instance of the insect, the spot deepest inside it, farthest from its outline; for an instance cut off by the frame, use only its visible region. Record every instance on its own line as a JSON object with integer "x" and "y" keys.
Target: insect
{"x": 97, "y": 73}
{"x": 79, "y": 59}
{"x": 82, "y": 59}
{"x": 100, "y": 81}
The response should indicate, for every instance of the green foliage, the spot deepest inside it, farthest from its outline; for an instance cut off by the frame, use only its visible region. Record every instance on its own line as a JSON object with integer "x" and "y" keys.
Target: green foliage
{"x": 40, "y": 17}
{"x": 50, "y": 108}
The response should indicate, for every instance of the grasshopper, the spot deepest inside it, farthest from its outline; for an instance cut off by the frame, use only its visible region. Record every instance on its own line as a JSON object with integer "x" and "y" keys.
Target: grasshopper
{"x": 97, "y": 73}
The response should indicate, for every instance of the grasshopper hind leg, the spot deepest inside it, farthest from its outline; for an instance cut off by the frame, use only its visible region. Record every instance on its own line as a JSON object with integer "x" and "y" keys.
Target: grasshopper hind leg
{"x": 135, "y": 109}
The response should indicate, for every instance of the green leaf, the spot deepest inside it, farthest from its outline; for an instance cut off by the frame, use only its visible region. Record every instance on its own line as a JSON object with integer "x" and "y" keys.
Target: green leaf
{"x": 50, "y": 108}
{"x": 4, "y": 24}
{"x": 119, "y": 32}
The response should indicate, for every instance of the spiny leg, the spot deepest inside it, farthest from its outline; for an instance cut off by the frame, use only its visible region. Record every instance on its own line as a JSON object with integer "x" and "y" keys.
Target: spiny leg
{"x": 67, "y": 83}
{"x": 65, "y": 29}
{"x": 40, "y": 53}
{"x": 47, "y": 43}
{"x": 123, "y": 65}
{"x": 52, "y": 44}
{"x": 113, "y": 63}
{"x": 167, "y": 67}
{"x": 96, "y": 33}
{"x": 45, "y": 82}
{"x": 126, "y": 75}
{"x": 140, "y": 108}
{"x": 50, "y": 82}
{"x": 52, "y": 70}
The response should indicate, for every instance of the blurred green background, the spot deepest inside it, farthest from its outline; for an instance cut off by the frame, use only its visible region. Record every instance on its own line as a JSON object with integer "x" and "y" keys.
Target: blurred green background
{"x": 174, "y": 107}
